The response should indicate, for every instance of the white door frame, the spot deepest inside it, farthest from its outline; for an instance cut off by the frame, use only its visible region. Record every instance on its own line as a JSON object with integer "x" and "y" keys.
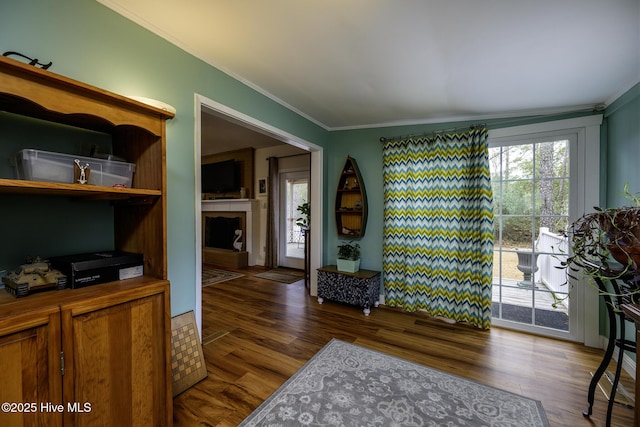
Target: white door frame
{"x": 316, "y": 187}
{"x": 283, "y": 259}
{"x": 587, "y": 193}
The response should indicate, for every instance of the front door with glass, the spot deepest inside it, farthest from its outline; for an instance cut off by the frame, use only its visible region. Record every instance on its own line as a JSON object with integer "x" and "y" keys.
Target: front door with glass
{"x": 294, "y": 192}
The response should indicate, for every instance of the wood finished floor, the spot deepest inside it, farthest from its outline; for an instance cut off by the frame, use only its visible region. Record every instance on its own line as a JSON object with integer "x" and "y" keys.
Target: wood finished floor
{"x": 262, "y": 332}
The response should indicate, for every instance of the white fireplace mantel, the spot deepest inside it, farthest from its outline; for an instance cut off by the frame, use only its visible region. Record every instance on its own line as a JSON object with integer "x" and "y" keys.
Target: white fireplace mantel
{"x": 251, "y": 208}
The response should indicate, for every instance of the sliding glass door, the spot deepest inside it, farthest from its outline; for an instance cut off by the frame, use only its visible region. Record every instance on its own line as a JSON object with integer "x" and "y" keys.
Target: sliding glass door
{"x": 532, "y": 183}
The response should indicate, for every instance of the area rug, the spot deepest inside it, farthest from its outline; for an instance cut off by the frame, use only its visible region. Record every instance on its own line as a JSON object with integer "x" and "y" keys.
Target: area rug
{"x": 281, "y": 275}
{"x": 345, "y": 384}
{"x": 213, "y": 275}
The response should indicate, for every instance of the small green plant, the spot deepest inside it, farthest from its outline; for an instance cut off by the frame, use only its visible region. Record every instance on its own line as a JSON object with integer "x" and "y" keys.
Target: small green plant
{"x": 305, "y": 220}
{"x": 349, "y": 251}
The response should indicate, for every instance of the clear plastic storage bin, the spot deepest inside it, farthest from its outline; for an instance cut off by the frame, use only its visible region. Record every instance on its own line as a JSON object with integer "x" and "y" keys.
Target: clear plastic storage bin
{"x": 37, "y": 165}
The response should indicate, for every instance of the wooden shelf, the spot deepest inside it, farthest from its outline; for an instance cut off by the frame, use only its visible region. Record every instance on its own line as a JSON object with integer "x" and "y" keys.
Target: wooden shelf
{"x": 38, "y": 93}
{"x": 16, "y": 186}
{"x": 351, "y": 221}
{"x": 137, "y": 133}
{"x": 113, "y": 339}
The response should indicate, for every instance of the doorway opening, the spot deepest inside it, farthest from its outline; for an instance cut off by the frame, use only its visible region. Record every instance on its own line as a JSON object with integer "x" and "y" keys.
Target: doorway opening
{"x": 238, "y": 121}
{"x": 294, "y": 192}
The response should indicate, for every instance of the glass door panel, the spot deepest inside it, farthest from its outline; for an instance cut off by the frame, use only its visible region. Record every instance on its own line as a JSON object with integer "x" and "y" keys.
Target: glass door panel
{"x": 294, "y": 192}
{"x": 531, "y": 207}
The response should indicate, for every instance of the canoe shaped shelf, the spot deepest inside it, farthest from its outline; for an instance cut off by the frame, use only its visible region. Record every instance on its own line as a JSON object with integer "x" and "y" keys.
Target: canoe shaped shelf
{"x": 351, "y": 202}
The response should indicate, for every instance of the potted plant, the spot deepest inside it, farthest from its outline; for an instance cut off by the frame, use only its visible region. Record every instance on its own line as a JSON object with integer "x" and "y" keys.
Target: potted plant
{"x": 599, "y": 238}
{"x": 348, "y": 257}
{"x": 305, "y": 220}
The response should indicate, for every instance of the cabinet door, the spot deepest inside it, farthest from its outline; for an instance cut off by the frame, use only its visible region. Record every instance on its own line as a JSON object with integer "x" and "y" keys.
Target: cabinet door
{"x": 118, "y": 365}
{"x": 30, "y": 376}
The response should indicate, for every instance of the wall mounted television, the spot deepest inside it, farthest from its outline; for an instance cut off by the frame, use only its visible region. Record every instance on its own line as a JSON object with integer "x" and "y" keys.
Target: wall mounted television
{"x": 220, "y": 177}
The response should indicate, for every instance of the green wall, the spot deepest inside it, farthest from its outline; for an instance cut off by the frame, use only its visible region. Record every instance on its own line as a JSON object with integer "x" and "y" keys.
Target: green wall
{"x": 364, "y": 145}
{"x": 621, "y": 152}
{"x": 622, "y": 147}
{"x": 89, "y": 42}
{"x": 37, "y": 237}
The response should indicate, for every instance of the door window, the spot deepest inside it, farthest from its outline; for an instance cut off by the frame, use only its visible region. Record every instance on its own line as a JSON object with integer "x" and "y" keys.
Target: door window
{"x": 531, "y": 187}
{"x": 294, "y": 192}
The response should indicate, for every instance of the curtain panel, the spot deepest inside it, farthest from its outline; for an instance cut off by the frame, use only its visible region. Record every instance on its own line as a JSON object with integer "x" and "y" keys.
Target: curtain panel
{"x": 273, "y": 214}
{"x": 438, "y": 226}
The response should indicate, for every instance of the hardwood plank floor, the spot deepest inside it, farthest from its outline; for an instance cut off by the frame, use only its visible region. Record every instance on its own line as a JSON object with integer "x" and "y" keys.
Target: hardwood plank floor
{"x": 262, "y": 332}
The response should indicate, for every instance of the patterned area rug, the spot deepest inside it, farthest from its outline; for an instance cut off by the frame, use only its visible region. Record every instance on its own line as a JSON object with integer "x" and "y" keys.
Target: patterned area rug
{"x": 282, "y": 275}
{"x": 213, "y": 275}
{"x": 345, "y": 384}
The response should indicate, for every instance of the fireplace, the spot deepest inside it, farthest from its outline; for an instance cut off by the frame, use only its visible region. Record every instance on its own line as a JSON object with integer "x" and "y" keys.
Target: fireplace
{"x": 218, "y": 237}
{"x": 219, "y": 228}
{"x": 247, "y": 211}
{"x": 220, "y": 232}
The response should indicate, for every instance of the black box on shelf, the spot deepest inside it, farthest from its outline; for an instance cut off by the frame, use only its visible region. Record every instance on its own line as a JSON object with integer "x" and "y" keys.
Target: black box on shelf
{"x": 98, "y": 267}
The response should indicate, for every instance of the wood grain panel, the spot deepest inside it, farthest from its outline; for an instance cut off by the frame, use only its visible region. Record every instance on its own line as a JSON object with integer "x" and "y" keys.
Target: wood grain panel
{"x": 25, "y": 361}
{"x": 119, "y": 363}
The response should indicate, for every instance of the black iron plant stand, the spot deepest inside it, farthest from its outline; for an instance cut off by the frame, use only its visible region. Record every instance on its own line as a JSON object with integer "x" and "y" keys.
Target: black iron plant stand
{"x": 616, "y": 288}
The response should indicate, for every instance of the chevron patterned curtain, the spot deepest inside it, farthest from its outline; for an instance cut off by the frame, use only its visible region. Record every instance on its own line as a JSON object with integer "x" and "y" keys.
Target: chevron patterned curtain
{"x": 438, "y": 226}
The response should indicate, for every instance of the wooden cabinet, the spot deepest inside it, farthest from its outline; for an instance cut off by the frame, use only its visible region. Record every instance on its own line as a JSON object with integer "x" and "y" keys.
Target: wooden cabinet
{"x": 116, "y": 357}
{"x": 29, "y": 362}
{"x": 102, "y": 352}
{"x": 106, "y": 345}
{"x": 351, "y": 202}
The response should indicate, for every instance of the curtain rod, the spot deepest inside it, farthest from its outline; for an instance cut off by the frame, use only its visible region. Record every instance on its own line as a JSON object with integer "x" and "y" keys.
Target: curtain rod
{"x": 598, "y": 108}
{"x": 432, "y": 132}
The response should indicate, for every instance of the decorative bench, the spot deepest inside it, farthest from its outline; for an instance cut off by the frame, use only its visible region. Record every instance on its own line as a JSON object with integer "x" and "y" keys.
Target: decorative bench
{"x": 361, "y": 288}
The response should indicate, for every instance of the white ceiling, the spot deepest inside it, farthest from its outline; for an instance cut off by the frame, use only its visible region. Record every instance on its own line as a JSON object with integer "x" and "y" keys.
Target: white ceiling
{"x": 364, "y": 63}
{"x": 219, "y": 133}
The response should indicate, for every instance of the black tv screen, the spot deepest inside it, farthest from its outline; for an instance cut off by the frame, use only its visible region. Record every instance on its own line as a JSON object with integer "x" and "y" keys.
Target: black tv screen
{"x": 220, "y": 177}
